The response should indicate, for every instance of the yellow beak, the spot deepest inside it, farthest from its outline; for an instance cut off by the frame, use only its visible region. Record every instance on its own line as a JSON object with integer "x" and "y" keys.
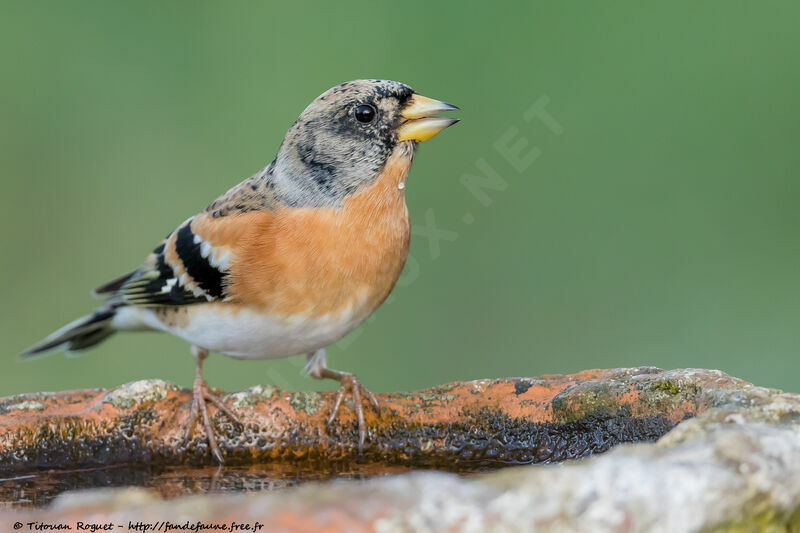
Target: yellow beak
{"x": 419, "y": 125}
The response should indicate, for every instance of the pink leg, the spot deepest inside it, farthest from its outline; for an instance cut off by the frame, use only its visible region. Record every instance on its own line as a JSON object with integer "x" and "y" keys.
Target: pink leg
{"x": 317, "y": 368}
{"x": 201, "y": 393}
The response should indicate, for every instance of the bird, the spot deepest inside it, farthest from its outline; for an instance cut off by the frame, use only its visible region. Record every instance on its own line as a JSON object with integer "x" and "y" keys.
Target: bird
{"x": 291, "y": 259}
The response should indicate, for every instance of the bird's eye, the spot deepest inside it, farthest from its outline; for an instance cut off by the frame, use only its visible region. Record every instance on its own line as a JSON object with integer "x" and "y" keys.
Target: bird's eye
{"x": 365, "y": 113}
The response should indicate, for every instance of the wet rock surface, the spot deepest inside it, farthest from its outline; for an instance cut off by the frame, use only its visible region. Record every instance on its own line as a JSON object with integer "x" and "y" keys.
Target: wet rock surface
{"x": 459, "y": 425}
{"x": 732, "y": 462}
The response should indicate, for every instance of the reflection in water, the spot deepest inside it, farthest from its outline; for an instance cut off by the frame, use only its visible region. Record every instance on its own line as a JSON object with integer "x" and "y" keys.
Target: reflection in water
{"x": 40, "y": 488}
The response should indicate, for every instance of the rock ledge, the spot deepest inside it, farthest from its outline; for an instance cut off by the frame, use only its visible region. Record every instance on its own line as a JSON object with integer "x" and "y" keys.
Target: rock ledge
{"x": 732, "y": 463}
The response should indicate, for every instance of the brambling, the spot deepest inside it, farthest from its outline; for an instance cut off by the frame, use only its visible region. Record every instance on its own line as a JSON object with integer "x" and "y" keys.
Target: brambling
{"x": 291, "y": 259}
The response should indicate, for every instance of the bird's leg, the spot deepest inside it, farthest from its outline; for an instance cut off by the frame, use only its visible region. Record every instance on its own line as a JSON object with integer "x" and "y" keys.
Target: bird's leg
{"x": 201, "y": 393}
{"x": 317, "y": 367}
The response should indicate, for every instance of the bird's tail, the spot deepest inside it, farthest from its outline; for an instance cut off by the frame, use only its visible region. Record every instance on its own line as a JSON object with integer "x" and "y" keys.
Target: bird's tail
{"x": 77, "y": 335}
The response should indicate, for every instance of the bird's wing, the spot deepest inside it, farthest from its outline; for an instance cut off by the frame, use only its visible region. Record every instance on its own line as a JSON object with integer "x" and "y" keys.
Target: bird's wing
{"x": 192, "y": 265}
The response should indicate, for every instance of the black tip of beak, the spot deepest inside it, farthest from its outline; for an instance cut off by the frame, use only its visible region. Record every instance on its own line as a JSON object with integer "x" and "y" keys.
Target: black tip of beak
{"x": 451, "y": 107}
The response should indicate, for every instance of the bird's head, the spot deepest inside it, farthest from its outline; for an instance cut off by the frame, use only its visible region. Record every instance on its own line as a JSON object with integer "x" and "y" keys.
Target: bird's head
{"x": 342, "y": 140}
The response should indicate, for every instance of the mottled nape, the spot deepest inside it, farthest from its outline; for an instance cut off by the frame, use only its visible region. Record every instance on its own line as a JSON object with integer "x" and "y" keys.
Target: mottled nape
{"x": 327, "y": 154}
{"x": 256, "y": 193}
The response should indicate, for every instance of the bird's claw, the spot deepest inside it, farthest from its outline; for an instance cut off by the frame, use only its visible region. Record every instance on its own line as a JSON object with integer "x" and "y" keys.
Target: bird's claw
{"x": 201, "y": 393}
{"x": 349, "y": 382}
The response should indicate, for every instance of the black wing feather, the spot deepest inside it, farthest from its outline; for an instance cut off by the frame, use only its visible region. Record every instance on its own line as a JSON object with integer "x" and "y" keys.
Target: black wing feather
{"x": 151, "y": 288}
{"x": 156, "y": 285}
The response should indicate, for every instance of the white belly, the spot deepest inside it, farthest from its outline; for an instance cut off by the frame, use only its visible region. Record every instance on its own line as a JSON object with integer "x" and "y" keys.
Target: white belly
{"x": 245, "y": 333}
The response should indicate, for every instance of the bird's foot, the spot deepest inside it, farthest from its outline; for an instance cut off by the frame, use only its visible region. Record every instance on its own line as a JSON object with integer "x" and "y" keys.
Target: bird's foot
{"x": 349, "y": 383}
{"x": 201, "y": 393}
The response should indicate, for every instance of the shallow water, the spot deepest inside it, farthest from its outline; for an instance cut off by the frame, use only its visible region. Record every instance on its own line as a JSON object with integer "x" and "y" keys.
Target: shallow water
{"x": 40, "y": 488}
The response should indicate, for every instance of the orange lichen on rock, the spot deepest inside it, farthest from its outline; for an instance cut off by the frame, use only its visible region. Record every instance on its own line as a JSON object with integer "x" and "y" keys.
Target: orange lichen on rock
{"x": 458, "y": 425}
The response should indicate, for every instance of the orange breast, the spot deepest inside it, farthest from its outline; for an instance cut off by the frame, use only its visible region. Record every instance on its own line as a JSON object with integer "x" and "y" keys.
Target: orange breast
{"x": 314, "y": 262}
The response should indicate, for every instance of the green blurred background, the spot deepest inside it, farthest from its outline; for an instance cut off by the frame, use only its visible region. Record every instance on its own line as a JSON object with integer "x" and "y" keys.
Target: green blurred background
{"x": 659, "y": 228}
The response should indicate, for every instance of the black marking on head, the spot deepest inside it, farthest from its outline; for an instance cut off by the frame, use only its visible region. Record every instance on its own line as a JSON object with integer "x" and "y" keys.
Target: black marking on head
{"x": 397, "y": 90}
{"x": 328, "y": 153}
{"x": 207, "y": 277}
